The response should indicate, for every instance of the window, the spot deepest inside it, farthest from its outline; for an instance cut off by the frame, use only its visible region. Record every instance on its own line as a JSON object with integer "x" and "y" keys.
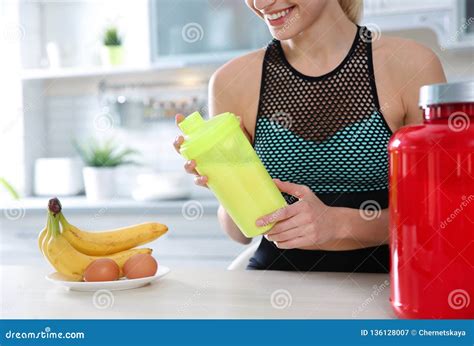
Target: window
{"x": 191, "y": 27}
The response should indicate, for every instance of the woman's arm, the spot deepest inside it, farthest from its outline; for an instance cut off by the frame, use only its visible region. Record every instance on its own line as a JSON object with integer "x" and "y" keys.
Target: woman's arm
{"x": 234, "y": 87}
{"x": 229, "y": 226}
{"x": 418, "y": 66}
{"x": 366, "y": 227}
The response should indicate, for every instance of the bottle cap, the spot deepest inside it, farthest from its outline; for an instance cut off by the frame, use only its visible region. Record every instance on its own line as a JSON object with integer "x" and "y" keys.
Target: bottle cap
{"x": 437, "y": 94}
{"x": 202, "y": 136}
{"x": 191, "y": 123}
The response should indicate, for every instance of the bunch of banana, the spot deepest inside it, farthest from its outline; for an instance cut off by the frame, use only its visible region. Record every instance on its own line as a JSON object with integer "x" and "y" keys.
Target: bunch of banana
{"x": 70, "y": 250}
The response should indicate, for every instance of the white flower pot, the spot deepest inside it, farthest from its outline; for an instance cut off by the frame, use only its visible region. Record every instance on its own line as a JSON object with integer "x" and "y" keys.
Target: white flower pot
{"x": 99, "y": 182}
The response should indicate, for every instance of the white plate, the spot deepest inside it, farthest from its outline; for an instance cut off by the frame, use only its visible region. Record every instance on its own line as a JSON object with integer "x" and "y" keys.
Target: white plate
{"x": 122, "y": 284}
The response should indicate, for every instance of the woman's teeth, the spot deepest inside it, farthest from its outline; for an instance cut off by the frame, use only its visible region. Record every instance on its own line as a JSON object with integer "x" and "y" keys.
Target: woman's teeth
{"x": 277, "y": 15}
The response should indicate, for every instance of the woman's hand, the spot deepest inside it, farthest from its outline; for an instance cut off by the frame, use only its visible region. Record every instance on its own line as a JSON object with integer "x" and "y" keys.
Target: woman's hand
{"x": 304, "y": 224}
{"x": 189, "y": 166}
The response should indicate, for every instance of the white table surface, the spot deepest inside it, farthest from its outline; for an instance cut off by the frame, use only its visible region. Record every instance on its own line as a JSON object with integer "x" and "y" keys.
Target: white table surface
{"x": 202, "y": 293}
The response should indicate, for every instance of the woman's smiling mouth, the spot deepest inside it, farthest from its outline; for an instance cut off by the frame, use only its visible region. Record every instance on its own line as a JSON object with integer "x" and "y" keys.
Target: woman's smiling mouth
{"x": 277, "y": 18}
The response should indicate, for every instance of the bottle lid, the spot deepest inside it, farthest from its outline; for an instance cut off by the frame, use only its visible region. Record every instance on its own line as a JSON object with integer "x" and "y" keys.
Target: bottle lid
{"x": 191, "y": 123}
{"x": 201, "y": 135}
{"x": 445, "y": 93}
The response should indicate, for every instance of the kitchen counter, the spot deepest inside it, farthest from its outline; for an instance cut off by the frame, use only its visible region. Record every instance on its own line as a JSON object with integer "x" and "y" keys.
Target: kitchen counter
{"x": 80, "y": 204}
{"x": 202, "y": 293}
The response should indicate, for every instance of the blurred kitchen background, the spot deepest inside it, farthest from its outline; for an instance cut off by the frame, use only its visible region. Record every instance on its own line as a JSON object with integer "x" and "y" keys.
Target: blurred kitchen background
{"x": 78, "y": 73}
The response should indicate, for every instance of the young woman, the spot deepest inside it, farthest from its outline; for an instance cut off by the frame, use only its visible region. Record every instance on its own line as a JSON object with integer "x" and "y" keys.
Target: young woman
{"x": 319, "y": 105}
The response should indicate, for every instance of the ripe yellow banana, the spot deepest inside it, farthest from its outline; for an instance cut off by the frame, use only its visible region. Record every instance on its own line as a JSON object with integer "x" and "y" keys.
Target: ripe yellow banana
{"x": 110, "y": 242}
{"x": 41, "y": 237}
{"x": 66, "y": 259}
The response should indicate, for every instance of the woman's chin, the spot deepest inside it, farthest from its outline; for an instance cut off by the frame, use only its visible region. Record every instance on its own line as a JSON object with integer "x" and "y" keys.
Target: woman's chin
{"x": 281, "y": 34}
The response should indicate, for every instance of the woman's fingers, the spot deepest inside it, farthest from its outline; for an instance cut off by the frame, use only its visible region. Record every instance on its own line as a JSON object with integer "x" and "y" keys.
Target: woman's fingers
{"x": 177, "y": 142}
{"x": 292, "y": 243}
{"x": 201, "y": 180}
{"x": 286, "y": 235}
{"x": 299, "y": 191}
{"x": 304, "y": 238}
{"x": 178, "y": 118}
{"x": 190, "y": 167}
{"x": 285, "y": 225}
{"x": 278, "y": 215}
{"x": 179, "y": 139}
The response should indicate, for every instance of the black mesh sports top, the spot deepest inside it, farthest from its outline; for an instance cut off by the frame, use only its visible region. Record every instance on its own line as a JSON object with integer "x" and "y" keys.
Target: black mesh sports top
{"x": 328, "y": 133}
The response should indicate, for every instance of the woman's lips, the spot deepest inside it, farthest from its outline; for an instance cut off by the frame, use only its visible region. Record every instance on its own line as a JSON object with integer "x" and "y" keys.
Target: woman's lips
{"x": 278, "y": 18}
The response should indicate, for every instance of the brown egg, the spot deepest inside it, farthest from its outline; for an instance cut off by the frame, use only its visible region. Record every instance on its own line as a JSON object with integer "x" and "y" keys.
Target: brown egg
{"x": 140, "y": 266}
{"x": 102, "y": 269}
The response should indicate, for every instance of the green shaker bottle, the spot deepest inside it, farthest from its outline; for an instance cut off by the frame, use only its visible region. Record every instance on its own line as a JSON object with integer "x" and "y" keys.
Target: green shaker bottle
{"x": 235, "y": 174}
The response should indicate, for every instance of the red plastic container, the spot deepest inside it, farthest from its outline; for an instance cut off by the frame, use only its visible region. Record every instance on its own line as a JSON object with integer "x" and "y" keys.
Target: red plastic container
{"x": 432, "y": 207}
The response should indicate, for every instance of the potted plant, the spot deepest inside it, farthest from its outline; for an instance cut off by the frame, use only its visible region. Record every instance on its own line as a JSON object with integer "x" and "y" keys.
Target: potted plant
{"x": 100, "y": 161}
{"x": 112, "y": 50}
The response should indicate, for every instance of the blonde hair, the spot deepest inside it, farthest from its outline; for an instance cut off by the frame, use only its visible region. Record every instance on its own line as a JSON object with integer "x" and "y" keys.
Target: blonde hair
{"x": 352, "y": 9}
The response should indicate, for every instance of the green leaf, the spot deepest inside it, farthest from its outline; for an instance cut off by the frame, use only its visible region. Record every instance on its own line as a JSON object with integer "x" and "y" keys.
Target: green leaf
{"x": 107, "y": 154}
{"x": 9, "y": 188}
{"x": 112, "y": 37}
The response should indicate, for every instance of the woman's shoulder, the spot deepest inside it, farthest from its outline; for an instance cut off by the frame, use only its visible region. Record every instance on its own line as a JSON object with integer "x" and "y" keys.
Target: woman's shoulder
{"x": 402, "y": 67}
{"x": 238, "y": 74}
{"x": 236, "y": 86}
{"x": 404, "y": 56}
